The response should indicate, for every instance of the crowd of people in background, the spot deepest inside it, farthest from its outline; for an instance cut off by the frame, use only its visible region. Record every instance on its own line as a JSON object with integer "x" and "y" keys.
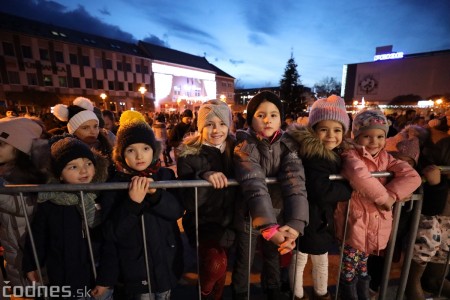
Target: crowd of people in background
{"x": 136, "y": 240}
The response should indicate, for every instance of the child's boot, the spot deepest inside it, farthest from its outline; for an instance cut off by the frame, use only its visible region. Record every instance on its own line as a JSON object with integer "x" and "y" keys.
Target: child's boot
{"x": 432, "y": 279}
{"x": 362, "y": 288}
{"x": 347, "y": 290}
{"x": 413, "y": 286}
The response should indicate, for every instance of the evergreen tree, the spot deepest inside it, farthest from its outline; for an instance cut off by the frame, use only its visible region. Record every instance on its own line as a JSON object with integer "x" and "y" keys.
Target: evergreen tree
{"x": 290, "y": 88}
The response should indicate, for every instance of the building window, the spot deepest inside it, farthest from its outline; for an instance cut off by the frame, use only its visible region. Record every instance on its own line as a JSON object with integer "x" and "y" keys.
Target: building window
{"x": 138, "y": 68}
{"x": 111, "y": 85}
{"x": 8, "y": 49}
{"x": 100, "y": 84}
{"x": 98, "y": 62}
{"x": 130, "y": 87}
{"x": 128, "y": 67}
{"x": 119, "y": 66}
{"x": 108, "y": 64}
{"x": 86, "y": 61}
{"x": 145, "y": 69}
{"x": 26, "y": 52}
{"x": 88, "y": 83}
{"x": 43, "y": 54}
{"x": 62, "y": 81}
{"x": 13, "y": 77}
{"x": 73, "y": 59}
{"x": 32, "y": 79}
{"x": 76, "y": 82}
{"x": 48, "y": 80}
{"x": 120, "y": 86}
{"x": 59, "y": 57}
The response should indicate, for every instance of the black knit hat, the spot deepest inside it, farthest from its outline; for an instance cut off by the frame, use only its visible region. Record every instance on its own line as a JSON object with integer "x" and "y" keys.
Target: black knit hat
{"x": 64, "y": 149}
{"x": 132, "y": 130}
{"x": 259, "y": 98}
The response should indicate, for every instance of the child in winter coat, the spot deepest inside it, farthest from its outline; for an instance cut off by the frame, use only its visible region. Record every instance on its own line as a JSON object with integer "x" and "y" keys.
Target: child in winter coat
{"x": 58, "y": 227}
{"x": 370, "y": 214}
{"x": 433, "y": 238}
{"x": 142, "y": 209}
{"x": 209, "y": 156}
{"x": 319, "y": 148}
{"x": 18, "y": 136}
{"x": 279, "y": 211}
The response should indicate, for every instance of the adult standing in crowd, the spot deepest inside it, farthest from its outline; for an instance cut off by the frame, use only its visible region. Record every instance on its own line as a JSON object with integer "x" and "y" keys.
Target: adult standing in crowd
{"x": 181, "y": 129}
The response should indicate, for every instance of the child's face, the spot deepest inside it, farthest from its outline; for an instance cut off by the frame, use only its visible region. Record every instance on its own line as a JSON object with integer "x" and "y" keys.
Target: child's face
{"x": 88, "y": 132}
{"x": 215, "y": 131}
{"x": 267, "y": 119}
{"x": 80, "y": 170}
{"x": 7, "y": 153}
{"x": 374, "y": 140}
{"x": 138, "y": 156}
{"x": 330, "y": 133}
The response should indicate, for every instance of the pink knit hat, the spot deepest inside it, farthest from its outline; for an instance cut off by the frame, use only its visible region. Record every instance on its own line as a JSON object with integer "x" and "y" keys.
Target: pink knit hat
{"x": 403, "y": 145}
{"x": 331, "y": 108}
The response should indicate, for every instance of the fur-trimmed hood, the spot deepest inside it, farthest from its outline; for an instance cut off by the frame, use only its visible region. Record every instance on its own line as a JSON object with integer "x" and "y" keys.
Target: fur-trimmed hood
{"x": 309, "y": 145}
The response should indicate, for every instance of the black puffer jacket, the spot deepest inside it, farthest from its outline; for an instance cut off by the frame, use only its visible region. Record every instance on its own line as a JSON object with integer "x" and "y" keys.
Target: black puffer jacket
{"x": 282, "y": 203}
{"x": 323, "y": 194}
{"x": 124, "y": 230}
{"x": 215, "y": 206}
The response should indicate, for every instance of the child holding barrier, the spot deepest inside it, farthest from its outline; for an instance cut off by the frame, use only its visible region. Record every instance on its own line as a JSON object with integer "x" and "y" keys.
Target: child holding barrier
{"x": 58, "y": 227}
{"x": 154, "y": 262}
{"x": 320, "y": 145}
{"x": 209, "y": 156}
{"x": 279, "y": 212}
{"x": 370, "y": 218}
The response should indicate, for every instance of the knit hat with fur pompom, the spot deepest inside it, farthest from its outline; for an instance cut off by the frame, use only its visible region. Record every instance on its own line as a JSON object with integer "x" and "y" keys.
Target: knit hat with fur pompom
{"x": 134, "y": 129}
{"x": 80, "y": 111}
{"x": 331, "y": 108}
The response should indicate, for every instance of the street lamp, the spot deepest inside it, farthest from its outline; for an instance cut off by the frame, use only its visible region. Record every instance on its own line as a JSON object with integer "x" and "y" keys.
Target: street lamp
{"x": 103, "y": 96}
{"x": 142, "y": 90}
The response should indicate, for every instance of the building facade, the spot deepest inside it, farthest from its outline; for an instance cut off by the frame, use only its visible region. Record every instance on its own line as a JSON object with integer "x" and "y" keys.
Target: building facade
{"x": 42, "y": 65}
{"x": 394, "y": 74}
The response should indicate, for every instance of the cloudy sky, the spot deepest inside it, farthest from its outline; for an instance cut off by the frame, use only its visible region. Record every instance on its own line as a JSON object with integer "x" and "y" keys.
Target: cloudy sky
{"x": 252, "y": 40}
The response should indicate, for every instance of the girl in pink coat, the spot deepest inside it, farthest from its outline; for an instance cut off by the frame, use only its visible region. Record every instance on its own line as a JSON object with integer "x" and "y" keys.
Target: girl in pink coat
{"x": 370, "y": 217}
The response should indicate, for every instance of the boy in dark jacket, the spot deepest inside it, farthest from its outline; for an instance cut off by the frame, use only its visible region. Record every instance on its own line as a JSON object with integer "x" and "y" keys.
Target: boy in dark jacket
{"x": 136, "y": 156}
{"x": 59, "y": 229}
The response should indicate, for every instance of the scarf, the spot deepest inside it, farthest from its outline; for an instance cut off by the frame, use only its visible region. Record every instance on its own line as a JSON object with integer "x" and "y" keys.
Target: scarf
{"x": 152, "y": 169}
{"x": 70, "y": 199}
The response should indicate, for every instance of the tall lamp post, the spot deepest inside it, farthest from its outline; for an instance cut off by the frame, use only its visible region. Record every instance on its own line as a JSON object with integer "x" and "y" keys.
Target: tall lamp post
{"x": 142, "y": 90}
{"x": 103, "y": 96}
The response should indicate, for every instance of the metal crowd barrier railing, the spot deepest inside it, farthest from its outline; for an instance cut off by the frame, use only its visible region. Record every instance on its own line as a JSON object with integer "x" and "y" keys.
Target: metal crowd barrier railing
{"x": 82, "y": 188}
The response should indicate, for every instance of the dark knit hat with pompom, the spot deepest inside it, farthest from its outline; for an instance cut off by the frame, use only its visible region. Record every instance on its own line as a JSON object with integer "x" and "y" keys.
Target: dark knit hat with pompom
{"x": 134, "y": 129}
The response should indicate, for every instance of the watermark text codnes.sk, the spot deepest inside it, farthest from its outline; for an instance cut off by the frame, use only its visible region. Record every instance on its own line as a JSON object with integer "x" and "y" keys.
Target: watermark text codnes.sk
{"x": 36, "y": 289}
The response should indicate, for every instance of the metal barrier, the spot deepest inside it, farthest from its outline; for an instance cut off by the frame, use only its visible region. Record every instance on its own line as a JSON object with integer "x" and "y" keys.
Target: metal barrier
{"x": 82, "y": 188}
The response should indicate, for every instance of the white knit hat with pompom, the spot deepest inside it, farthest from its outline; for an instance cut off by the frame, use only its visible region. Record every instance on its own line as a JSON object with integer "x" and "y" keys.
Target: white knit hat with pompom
{"x": 80, "y": 111}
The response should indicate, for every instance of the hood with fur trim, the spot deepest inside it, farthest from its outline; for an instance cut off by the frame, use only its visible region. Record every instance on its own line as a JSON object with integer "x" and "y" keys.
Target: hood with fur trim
{"x": 309, "y": 145}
